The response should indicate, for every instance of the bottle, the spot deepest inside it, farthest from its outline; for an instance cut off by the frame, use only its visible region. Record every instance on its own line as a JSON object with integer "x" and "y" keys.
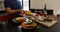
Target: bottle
{"x": 44, "y": 11}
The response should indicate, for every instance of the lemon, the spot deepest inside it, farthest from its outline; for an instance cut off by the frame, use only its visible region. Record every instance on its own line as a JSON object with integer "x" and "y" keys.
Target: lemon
{"x": 18, "y": 18}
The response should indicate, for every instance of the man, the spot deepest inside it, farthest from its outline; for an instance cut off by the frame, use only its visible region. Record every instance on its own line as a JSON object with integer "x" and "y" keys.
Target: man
{"x": 12, "y": 7}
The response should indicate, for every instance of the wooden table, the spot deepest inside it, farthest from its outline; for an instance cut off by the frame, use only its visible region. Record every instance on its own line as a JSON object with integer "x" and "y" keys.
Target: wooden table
{"x": 29, "y": 26}
{"x": 47, "y": 23}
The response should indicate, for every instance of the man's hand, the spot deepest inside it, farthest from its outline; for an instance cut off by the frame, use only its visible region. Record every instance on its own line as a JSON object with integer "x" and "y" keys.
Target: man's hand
{"x": 20, "y": 10}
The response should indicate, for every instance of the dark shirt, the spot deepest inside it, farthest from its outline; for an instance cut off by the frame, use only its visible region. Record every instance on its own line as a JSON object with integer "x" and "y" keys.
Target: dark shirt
{"x": 14, "y": 4}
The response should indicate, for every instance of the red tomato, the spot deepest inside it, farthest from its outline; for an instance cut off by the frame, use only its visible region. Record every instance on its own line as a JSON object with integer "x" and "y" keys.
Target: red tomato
{"x": 36, "y": 14}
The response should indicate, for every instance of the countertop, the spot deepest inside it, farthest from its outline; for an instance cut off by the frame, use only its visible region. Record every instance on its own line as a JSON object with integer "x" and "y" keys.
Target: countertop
{"x": 12, "y": 28}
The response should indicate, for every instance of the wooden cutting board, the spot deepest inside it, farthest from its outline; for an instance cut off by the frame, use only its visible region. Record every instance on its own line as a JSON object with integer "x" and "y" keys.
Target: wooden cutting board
{"x": 47, "y": 23}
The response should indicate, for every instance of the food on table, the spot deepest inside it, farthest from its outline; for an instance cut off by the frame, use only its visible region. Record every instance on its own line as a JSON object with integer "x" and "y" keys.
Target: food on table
{"x": 28, "y": 13}
{"x": 22, "y": 13}
{"x": 44, "y": 14}
{"x": 24, "y": 25}
{"x": 29, "y": 26}
{"x": 36, "y": 16}
{"x": 29, "y": 22}
{"x": 20, "y": 19}
{"x": 48, "y": 19}
{"x": 29, "y": 17}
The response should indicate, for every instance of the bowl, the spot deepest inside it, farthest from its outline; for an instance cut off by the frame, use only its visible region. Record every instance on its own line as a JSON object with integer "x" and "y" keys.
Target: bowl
{"x": 29, "y": 22}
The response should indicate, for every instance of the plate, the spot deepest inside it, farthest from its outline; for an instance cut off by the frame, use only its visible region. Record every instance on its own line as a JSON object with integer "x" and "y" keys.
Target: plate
{"x": 14, "y": 20}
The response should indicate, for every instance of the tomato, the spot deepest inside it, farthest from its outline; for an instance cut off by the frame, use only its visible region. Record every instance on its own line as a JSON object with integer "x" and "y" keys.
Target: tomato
{"x": 36, "y": 14}
{"x": 22, "y": 20}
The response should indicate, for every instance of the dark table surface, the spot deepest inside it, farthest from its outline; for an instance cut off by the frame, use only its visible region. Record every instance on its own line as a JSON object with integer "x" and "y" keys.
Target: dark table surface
{"x": 12, "y": 27}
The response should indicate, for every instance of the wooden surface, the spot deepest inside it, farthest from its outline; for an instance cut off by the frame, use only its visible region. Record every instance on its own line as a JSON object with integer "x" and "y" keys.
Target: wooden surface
{"x": 47, "y": 23}
{"x": 29, "y": 26}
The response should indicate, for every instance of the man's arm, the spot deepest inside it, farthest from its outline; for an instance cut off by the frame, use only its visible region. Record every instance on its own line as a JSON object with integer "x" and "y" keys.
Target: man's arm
{"x": 9, "y": 11}
{"x": 8, "y": 7}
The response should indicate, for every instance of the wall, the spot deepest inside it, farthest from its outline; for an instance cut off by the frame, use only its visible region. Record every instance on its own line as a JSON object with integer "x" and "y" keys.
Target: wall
{"x": 51, "y": 4}
{"x": 37, "y": 4}
{"x": 1, "y": 0}
{"x": 1, "y": 5}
